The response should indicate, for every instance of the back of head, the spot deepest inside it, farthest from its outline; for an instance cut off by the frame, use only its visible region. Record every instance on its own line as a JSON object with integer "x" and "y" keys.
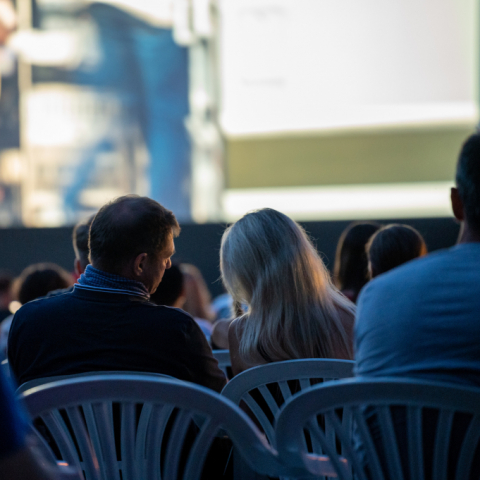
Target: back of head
{"x": 80, "y": 240}
{"x": 126, "y": 227}
{"x": 268, "y": 262}
{"x": 170, "y": 289}
{"x": 468, "y": 180}
{"x": 392, "y": 246}
{"x": 39, "y": 279}
{"x": 351, "y": 264}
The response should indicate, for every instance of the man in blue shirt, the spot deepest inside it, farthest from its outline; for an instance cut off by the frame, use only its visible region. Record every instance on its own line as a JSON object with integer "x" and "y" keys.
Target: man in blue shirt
{"x": 422, "y": 319}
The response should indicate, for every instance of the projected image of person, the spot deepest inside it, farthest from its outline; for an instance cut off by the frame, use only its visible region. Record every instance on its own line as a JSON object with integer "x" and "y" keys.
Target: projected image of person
{"x": 148, "y": 72}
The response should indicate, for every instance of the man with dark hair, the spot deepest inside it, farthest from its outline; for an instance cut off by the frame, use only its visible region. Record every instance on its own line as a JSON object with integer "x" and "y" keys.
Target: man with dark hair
{"x": 108, "y": 322}
{"x": 422, "y": 319}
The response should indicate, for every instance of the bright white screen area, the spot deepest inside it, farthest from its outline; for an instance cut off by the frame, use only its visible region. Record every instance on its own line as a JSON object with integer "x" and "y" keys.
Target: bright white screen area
{"x": 299, "y": 65}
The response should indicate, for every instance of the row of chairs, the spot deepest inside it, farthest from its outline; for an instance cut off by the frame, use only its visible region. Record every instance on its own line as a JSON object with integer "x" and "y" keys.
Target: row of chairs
{"x": 154, "y": 427}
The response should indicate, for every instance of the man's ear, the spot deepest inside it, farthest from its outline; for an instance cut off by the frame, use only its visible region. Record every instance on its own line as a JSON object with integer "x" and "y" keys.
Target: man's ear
{"x": 139, "y": 264}
{"x": 77, "y": 266}
{"x": 457, "y": 204}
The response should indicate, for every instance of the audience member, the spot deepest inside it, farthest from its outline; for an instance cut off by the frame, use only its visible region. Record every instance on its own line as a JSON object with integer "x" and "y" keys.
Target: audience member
{"x": 34, "y": 282}
{"x": 197, "y": 297}
{"x": 219, "y": 338}
{"x": 421, "y": 319}
{"x": 39, "y": 279}
{"x": 107, "y": 322}
{"x": 6, "y": 280}
{"x": 392, "y": 246}
{"x": 268, "y": 262}
{"x": 80, "y": 247}
{"x": 80, "y": 244}
{"x": 350, "y": 271}
{"x": 172, "y": 293}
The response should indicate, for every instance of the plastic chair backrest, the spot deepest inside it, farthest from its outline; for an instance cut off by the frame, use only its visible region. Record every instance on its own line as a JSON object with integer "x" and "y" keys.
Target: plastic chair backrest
{"x": 6, "y": 369}
{"x": 224, "y": 362}
{"x": 155, "y": 417}
{"x": 61, "y": 472}
{"x": 44, "y": 380}
{"x": 266, "y": 388}
{"x": 389, "y": 429}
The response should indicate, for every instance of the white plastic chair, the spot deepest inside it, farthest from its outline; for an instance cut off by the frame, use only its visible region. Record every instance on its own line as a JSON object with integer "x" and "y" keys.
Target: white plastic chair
{"x": 44, "y": 380}
{"x": 265, "y": 388}
{"x": 403, "y": 428}
{"x": 79, "y": 416}
{"x": 47, "y": 458}
{"x": 224, "y": 362}
{"x": 6, "y": 369}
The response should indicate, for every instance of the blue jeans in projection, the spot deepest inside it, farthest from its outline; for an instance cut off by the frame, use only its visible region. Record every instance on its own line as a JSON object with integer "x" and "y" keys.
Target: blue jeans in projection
{"x": 149, "y": 73}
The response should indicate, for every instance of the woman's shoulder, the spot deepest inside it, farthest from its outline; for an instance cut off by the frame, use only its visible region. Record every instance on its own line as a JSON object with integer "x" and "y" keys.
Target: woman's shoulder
{"x": 235, "y": 330}
{"x": 237, "y": 325}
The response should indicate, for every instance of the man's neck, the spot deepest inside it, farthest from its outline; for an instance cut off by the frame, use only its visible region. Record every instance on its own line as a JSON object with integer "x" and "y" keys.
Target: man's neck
{"x": 118, "y": 273}
{"x": 467, "y": 234}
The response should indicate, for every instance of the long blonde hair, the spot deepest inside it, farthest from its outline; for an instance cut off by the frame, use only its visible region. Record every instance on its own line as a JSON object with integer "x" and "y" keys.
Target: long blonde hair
{"x": 269, "y": 263}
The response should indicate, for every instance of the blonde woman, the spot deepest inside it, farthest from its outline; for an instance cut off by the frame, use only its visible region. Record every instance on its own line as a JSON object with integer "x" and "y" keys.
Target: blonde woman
{"x": 294, "y": 310}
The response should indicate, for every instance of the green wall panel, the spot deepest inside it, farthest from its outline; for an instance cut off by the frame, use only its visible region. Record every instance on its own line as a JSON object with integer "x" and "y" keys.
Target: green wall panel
{"x": 416, "y": 155}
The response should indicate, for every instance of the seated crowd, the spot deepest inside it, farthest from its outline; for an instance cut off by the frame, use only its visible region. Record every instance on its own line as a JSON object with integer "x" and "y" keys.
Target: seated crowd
{"x": 390, "y": 306}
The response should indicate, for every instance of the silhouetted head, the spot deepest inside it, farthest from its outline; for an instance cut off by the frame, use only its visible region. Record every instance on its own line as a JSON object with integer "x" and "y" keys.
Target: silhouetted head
{"x": 39, "y": 279}
{"x": 351, "y": 264}
{"x": 170, "y": 292}
{"x": 466, "y": 196}
{"x": 392, "y": 246}
{"x": 133, "y": 236}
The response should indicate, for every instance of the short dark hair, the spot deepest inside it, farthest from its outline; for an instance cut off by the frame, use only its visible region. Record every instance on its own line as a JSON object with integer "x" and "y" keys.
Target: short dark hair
{"x": 468, "y": 180}
{"x": 351, "y": 264}
{"x": 126, "y": 227}
{"x": 392, "y": 246}
{"x": 80, "y": 240}
{"x": 39, "y": 279}
{"x": 170, "y": 288}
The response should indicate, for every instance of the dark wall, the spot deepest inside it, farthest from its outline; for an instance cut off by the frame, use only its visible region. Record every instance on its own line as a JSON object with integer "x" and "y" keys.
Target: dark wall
{"x": 197, "y": 244}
